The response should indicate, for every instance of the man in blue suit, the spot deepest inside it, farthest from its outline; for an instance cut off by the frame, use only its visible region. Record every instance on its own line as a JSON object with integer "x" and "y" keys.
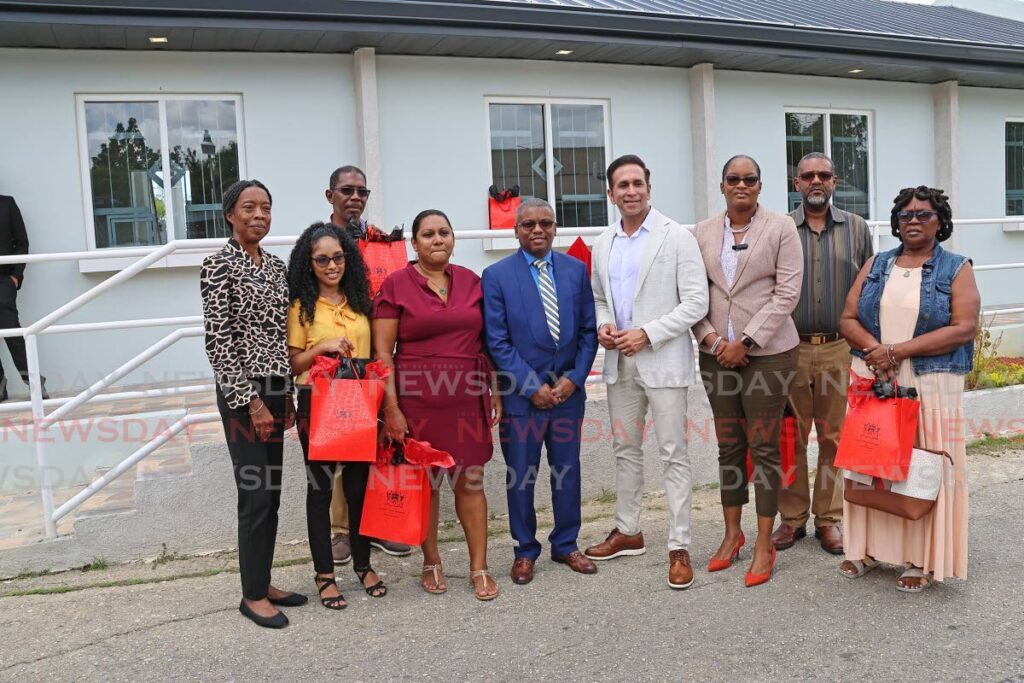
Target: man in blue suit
{"x": 541, "y": 332}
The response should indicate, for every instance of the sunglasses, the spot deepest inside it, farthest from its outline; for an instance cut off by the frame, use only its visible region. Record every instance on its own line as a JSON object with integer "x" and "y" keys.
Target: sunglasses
{"x": 905, "y": 217}
{"x": 808, "y": 177}
{"x": 545, "y": 224}
{"x": 348, "y": 191}
{"x": 748, "y": 180}
{"x": 322, "y": 260}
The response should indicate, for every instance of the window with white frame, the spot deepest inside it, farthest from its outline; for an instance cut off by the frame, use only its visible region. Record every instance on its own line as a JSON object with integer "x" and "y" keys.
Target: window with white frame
{"x": 156, "y": 167}
{"x": 845, "y": 138}
{"x": 554, "y": 150}
{"x": 1015, "y": 168}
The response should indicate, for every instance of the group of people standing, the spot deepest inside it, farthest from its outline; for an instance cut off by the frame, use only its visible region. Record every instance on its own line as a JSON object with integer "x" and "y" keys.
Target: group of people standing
{"x": 773, "y": 302}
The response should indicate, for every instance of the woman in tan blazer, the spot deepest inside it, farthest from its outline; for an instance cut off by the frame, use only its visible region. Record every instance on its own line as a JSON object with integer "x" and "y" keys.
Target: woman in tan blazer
{"x": 748, "y": 358}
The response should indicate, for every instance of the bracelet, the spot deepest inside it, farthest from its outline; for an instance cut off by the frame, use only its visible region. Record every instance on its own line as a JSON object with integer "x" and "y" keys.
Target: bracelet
{"x": 890, "y": 354}
{"x": 258, "y": 410}
{"x": 715, "y": 345}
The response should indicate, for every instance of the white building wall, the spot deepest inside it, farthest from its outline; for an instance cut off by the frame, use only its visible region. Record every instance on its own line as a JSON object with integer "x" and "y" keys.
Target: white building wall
{"x": 298, "y": 126}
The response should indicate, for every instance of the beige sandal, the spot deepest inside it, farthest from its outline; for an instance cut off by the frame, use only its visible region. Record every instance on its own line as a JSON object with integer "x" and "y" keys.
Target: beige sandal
{"x": 485, "y": 574}
{"x": 438, "y": 576}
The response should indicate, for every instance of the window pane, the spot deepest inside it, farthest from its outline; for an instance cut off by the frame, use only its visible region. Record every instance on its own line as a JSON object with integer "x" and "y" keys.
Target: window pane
{"x": 125, "y": 173}
{"x": 1015, "y": 168}
{"x": 204, "y": 161}
{"x": 577, "y": 132}
{"x": 517, "y": 148}
{"x": 805, "y": 133}
{"x": 850, "y": 154}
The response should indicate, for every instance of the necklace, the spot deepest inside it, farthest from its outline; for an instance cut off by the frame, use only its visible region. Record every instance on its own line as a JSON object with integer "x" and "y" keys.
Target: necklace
{"x": 741, "y": 230}
{"x": 443, "y": 291}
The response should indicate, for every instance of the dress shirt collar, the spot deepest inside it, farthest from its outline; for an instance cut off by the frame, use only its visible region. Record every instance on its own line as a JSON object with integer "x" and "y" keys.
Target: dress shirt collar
{"x": 645, "y": 226}
{"x": 531, "y": 258}
{"x": 835, "y": 215}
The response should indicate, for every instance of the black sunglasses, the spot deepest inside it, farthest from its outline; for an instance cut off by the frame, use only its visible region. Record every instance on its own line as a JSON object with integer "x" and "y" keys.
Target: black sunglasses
{"x": 348, "y": 191}
{"x": 322, "y": 260}
{"x": 825, "y": 176}
{"x": 923, "y": 216}
{"x": 748, "y": 180}
{"x": 546, "y": 224}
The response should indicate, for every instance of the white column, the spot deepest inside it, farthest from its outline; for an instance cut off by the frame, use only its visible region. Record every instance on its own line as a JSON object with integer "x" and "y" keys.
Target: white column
{"x": 702, "y": 128}
{"x": 946, "y": 96}
{"x": 364, "y": 64}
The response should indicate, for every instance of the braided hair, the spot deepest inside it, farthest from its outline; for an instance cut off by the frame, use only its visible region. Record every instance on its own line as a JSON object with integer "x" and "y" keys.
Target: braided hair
{"x": 302, "y": 283}
{"x": 939, "y": 201}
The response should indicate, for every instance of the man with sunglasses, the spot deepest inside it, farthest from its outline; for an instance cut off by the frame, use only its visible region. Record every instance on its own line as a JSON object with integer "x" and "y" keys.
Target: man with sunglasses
{"x": 836, "y": 244}
{"x": 347, "y": 194}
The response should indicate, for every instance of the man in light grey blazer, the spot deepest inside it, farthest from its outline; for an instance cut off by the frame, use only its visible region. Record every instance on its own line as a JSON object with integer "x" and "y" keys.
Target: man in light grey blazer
{"x": 650, "y": 287}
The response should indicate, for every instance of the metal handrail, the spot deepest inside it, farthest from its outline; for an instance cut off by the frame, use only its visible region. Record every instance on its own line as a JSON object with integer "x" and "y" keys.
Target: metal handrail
{"x": 148, "y": 256}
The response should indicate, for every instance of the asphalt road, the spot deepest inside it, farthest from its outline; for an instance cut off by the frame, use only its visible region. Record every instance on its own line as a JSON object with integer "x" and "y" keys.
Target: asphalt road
{"x": 622, "y": 624}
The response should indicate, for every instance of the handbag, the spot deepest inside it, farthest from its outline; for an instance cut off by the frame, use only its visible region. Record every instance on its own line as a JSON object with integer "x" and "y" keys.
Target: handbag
{"x": 787, "y": 449}
{"x": 383, "y": 255}
{"x": 502, "y": 206}
{"x": 912, "y": 498}
{"x": 878, "y": 433}
{"x": 343, "y": 409}
{"x": 397, "y": 502}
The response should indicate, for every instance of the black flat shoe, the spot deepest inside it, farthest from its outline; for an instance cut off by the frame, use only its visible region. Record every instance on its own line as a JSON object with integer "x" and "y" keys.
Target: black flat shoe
{"x": 290, "y": 600}
{"x": 279, "y": 620}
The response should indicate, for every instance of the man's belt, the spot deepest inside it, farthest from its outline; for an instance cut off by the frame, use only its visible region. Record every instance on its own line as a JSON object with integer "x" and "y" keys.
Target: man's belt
{"x": 820, "y": 338}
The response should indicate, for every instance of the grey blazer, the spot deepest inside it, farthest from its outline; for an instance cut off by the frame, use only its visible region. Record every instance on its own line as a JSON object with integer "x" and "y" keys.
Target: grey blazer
{"x": 766, "y": 289}
{"x": 671, "y": 295}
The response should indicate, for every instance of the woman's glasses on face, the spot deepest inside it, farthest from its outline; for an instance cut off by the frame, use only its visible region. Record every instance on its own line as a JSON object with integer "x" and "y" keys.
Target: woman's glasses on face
{"x": 905, "y": 217}
{"x": 348, "y": 191}
{"x": 322, "y": 260}
{"x": 748, "y": 180}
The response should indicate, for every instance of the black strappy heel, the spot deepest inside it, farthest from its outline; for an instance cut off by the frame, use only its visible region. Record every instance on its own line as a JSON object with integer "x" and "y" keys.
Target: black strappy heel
{"x": 336, "y": 602}
{"x": 377, "y": 590}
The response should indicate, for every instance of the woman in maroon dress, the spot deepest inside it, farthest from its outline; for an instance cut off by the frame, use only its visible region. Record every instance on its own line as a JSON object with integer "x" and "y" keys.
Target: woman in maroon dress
{"x": 428, "y": 325}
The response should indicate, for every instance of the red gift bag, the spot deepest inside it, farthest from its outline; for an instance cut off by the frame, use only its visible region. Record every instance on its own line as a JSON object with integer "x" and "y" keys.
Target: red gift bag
{"x": 502, "y": 206}
{"x": 787, "y": 452}
{"x": 580, "y": 251}
{"x": 382, "y": 259}
{"x": 878, "y": 433}
{"x": 397, "y": 503}
{"x": 343, "y": 412}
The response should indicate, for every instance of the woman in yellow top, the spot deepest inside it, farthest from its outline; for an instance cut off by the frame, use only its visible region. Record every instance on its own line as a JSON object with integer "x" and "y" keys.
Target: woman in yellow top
{"x": 330, "y": 302}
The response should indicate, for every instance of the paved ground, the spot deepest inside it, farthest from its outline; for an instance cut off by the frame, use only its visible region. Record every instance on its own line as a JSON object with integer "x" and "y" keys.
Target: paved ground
{"x": 623, "y": 623}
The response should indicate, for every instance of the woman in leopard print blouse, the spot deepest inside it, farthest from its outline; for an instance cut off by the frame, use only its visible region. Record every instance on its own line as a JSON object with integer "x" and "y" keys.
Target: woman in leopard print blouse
{"x": 245, "y": 306}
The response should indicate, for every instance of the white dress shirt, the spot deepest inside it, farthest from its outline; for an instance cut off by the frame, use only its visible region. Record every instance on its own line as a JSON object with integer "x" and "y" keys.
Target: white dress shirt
{"x": 624, "y": 269}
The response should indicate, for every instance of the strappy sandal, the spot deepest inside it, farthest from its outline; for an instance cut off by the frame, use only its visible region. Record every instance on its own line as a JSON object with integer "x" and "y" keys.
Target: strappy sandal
{"x": 377, "y": 590}
{"x": 862, "y": 567}
{"x": 436, "y": 570}
{"x": 913, "y": 572}
{"x": 322, "y": 584}
{"x": 485, "y": 574}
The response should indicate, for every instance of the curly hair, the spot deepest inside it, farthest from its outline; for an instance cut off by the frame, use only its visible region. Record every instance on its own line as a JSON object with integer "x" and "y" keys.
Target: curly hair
{"x": 939, "y": 201}
{"x": 302, "y": 283}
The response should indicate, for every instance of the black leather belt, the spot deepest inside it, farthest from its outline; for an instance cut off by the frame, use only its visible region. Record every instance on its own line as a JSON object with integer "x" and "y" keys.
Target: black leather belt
{"x": 822, "y": 338}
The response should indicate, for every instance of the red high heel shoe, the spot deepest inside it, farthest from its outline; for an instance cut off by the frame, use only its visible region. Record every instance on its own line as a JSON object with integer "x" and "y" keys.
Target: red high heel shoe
{"x": 753, "y": 579}
{"x": 717, "y": 565}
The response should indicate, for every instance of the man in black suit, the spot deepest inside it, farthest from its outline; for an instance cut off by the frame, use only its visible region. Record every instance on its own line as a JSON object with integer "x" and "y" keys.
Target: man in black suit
{"x": 13, "y": 240}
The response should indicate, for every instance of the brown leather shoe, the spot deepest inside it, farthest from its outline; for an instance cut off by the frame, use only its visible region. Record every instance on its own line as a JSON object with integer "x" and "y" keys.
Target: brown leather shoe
{"x": 786, "y": 535}
{"x": 680, "y": 573}
{"x": 576, "y": 561}
{"x": 831, "y": 539}
{"x": 522, "y": 570}
{"x": 617, "y": 544}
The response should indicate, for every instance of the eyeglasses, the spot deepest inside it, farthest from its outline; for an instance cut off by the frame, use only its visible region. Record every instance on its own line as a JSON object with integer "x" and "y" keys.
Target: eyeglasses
{"x": 545, "y": 224}
{"x": 322, "y": 260}
{"x": 808, "y": 177}
{"x": 905, "y": 217}
{"x": 348, "y": 191}
{"x": 748, "y": 180}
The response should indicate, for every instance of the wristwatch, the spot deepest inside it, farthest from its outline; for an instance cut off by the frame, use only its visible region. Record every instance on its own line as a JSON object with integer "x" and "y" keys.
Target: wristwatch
{"x": 748, "y": 342}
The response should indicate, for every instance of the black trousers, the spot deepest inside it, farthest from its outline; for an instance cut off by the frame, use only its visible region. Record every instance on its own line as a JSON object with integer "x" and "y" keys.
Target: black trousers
{"x": 8, "y": 320}
{"x": 257, "y": 467}
{"x": 319, "y": 485}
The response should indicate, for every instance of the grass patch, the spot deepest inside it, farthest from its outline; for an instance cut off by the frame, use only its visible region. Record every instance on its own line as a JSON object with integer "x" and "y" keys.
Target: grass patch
{"x": 606, "y": 496}
{"x": 98, "y": 564}
{"x": 29, "y": 575}
{"x": 991, "y": 443}
{"x": 164, "y": 557}
{"x": 56, "y": 590}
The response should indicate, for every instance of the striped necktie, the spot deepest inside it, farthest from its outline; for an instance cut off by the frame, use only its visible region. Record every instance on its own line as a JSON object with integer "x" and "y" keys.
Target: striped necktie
{"x": 547, "y": 297}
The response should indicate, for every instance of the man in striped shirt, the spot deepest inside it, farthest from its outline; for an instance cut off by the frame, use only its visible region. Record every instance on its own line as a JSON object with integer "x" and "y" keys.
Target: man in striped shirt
{"x": 836, "y": 244}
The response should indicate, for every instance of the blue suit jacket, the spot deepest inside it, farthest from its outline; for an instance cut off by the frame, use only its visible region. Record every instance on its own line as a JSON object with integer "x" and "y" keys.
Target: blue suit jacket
{"x": 520, "y": 344}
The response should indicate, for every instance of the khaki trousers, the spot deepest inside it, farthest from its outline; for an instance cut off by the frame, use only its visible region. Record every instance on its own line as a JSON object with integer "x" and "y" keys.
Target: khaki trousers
{"x": 339, "y": 507}
{"x": 818, "y": 395}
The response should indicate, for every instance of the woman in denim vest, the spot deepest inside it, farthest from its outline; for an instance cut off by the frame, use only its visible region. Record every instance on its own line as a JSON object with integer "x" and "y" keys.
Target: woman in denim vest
{"x": 912, "y": 315}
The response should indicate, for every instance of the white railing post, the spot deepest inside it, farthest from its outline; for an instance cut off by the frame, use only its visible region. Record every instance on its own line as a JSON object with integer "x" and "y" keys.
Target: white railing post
{"x": 39, "y": 430}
